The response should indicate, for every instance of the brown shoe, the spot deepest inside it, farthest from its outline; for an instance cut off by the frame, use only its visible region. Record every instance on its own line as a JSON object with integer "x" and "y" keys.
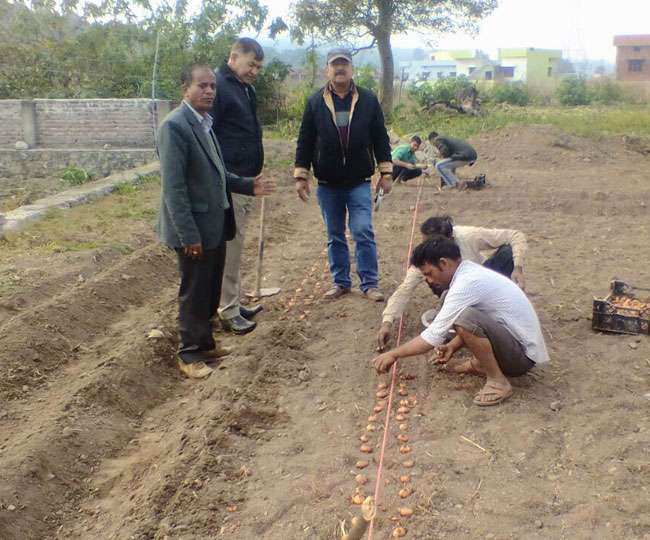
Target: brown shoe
{"x": 336, "y": 292}
{"x": 218, "y": 352}
{"x": 195, "y": 370}
{"x": 375, "y": 295}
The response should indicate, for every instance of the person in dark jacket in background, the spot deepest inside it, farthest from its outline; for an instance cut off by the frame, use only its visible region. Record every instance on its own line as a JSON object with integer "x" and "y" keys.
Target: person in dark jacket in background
{"x": 454, "y": 153}
{"x": 240, "y": 136}
{"x": 341, "y": 135}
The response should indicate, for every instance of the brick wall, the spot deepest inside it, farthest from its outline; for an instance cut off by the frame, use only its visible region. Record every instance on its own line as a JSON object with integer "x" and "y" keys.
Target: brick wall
{"x": 82, "y": 123}
{"x": 11, "y": 127}
{"x": 639, "y": 54}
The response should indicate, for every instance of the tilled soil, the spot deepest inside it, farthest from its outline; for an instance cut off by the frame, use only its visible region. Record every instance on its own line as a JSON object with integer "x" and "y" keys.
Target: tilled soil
{"x": 100, "y": 437}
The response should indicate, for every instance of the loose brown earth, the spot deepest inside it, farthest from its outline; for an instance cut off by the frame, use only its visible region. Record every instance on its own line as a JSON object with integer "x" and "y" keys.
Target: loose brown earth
{"x": 101, "y": 438}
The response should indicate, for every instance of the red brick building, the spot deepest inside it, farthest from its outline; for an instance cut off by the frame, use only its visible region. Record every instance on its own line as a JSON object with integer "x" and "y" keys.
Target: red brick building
{"x": 632, "y": 58}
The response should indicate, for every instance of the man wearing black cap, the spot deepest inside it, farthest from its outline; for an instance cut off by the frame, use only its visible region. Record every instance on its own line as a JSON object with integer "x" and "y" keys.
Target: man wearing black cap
{"x": 342, "y": 136}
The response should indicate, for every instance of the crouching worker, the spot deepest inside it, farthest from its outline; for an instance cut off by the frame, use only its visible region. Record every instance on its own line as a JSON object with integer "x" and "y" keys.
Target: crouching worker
{"x": 404, "y": 160}
{"x": 491, "y": 315}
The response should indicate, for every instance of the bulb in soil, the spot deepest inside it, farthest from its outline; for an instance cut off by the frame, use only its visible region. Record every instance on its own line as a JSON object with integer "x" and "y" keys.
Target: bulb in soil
{"x": 409, "y": 463}
{"x": 405, "y": 492}
{"x": 358, "y": 499}
{"x": 405, "y": 478}
{"x": 364, "y": 438}
{"x": 382, "y": 386}
{"x": 366, "y": 449}
{"x": 403, "y": 427}
{"x": 403, "y": 392}
{"x": 405, "y": 449}
{"x": 382, "y": 394}
{"x": 403, "y": 403}
{"x": 361, "y": 464}
{"x": 361, "y": 479}
{"x": 400, "y": 418}
{"x": 403, "y": 438}
{"x": 371, "y": 427}
{"x": 405, "y": 512}
{"x": 399, "y": 532}
{"x": 403, "y": 410}
{"x": 372, "y": 418}
{"x": 378, "y": 408}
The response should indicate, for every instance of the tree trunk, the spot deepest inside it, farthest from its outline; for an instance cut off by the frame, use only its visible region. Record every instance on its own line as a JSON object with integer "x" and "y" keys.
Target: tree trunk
{"x": 387, "y": 72}
{"x": 382, "y": 34}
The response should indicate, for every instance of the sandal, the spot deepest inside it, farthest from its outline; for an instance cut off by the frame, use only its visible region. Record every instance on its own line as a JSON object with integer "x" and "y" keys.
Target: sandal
{"x": 494, "y": 392}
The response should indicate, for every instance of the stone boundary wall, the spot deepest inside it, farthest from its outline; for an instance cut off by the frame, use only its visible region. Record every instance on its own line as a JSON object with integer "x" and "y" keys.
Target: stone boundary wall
{"x": 80, "y": 123}
{"x": 42, "y": 163}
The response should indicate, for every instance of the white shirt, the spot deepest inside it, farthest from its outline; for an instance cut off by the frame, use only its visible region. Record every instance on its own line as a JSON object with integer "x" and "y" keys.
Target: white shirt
{"x": 476, "y": 286}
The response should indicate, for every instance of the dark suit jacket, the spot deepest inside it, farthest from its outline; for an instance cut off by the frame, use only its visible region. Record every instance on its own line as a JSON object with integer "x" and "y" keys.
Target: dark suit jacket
{"x": 192, "y": 209}
{"x": 236, "y": 124}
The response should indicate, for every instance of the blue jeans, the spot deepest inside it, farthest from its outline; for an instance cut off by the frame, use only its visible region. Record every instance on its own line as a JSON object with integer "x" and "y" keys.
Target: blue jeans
{"x": 447, "y": 170}
{"x": 336, "y": 203}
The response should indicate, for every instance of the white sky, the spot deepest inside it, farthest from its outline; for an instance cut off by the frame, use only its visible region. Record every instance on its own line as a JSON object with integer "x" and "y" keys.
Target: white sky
{"x": 582, "y": 28}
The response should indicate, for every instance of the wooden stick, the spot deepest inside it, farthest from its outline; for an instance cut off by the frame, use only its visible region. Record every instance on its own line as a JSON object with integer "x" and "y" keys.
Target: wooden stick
{"x": 260, "y": 250}
{"x": 474, "y": 444}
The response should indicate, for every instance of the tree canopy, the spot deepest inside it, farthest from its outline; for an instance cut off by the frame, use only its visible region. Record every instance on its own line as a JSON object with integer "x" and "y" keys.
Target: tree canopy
{"x": 375, "y": 21}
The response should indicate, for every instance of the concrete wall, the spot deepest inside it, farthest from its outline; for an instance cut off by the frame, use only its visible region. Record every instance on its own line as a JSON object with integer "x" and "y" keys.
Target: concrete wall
{"x": 49, "y": 163}
{"x": 80, "y": 123}
{"x": 11, "y": 128}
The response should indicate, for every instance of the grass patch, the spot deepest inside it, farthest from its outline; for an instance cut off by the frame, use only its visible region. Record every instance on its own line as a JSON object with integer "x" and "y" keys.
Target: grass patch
{"x": 119, "y": 221}
{"x": 76, "y": 176}
{"x": 591, "y": 121}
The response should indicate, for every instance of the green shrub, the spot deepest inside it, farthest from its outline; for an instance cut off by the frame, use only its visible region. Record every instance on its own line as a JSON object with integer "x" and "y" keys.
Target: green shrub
{"x": 365, "y": 77}
{"x": 75, "y": 176}
{"x": 606, "y": 92}
{"x": 125, "y": 188}
{"x": 573, "y": 91}
{"x": 510, "y": 93}
{"x": 427, "y": 93}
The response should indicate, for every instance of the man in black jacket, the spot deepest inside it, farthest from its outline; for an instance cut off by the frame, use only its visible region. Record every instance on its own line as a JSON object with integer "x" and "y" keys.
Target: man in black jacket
{"x": 240, "y": 136}
{"x": 341, "y": 135}
{"x": 454, "y": 153}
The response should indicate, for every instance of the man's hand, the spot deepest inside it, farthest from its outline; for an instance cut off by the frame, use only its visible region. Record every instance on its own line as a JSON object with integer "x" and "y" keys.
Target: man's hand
{"x": 411, "y": 166}
{"x": 518, "y": 277}
{"x": 385, "y": 182}
{"x": 193, "y": 251}
{"x": 384, "y": 335}
{"x": 303, "y": 189}
{"x": 384, "y": 362}
{"x": 443, "y": 354}
{"x": 263, "y": 186}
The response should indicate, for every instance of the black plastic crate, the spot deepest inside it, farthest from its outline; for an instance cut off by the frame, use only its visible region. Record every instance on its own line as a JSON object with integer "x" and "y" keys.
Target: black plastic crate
{"x": 608, "y": 317}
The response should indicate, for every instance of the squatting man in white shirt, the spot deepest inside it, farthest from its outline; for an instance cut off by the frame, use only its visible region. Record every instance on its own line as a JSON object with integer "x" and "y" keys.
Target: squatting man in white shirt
{"x": 510, "y": 247}
{"x": 491, "y": 315}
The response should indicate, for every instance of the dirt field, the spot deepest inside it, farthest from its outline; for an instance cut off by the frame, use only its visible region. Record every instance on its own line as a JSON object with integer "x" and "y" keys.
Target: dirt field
{"x": 100, "y": 437}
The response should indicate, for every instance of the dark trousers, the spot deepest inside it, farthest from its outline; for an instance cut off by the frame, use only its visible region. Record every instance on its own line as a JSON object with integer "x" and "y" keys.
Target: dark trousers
{"x": 404, "y": 174}
{"x": 501, "y": 261}
{"x": 198, "y": 300}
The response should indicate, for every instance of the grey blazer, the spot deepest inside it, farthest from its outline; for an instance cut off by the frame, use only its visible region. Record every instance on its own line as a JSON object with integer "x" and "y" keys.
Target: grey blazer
{"x": 191, "y": 208}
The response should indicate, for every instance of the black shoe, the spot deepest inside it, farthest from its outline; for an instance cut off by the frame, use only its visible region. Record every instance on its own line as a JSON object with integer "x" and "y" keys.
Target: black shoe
{"x": 250, "y": 313}
{"x": 238, "y": 325}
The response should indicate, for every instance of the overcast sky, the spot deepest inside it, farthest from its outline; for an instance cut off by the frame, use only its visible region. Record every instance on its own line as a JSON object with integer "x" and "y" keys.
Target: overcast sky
{"x": 583, "y": 28}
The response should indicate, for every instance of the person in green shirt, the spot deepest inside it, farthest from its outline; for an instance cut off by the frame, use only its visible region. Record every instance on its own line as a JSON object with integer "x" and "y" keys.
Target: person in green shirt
{"x": 404, "y": 161}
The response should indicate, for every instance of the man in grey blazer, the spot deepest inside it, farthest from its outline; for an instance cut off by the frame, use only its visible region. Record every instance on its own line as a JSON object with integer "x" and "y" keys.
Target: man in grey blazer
{"x": 196, "y": 215}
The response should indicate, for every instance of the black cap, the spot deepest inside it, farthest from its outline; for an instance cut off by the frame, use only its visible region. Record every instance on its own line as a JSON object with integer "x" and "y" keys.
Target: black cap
{"x": 334, "y": 54}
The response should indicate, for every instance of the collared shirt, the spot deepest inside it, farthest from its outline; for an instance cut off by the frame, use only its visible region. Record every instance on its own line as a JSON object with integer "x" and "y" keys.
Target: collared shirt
{"x": 481, "y": 288}
{"x": 472, "y": 241}
{"x": 206, "y": 124}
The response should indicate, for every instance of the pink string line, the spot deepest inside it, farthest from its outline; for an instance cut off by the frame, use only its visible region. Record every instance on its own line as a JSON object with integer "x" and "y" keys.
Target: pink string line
{"x": 380, "y": 466}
